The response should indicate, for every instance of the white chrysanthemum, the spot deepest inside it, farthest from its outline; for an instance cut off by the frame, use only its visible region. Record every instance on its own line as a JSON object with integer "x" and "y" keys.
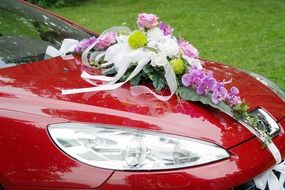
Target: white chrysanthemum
{"x": 158, "y": 59}
{"x": 155, "y": 34}
{"x": 170, "y": 47}
{"x": 152, "y": 44}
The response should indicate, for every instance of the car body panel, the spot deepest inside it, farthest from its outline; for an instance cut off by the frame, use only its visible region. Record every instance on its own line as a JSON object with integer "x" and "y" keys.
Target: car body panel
{"x": 39, "y": 92}
{"x": 31, "y": 99}
{"x": 247, "y": 161}
{"x": 253, "y": 91}
{"x": 27, "y": 152}
{"x": 222, "y": 175}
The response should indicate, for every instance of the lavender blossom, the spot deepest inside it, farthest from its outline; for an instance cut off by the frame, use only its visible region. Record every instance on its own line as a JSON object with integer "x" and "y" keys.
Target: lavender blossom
{"x": 203, "y": 82}
{"x": 167, "y": 30}
{"x": 188, "y": 49}
{"x": 207, "y": 85}
{"x": 193, "y": 78}
{"x": 84, "y": 44}
{"x": 106, "y": 40}
{"x": 147, "y": 20}
{"x": 220, "y": 93}
{"x": 233, "y": 98}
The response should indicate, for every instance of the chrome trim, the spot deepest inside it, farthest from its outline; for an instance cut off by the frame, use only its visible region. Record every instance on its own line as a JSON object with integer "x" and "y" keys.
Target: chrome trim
{"x": 271, "y": 126}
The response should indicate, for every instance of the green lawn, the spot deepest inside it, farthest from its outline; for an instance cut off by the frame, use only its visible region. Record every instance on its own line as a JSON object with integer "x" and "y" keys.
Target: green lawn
{"x": 247, "y": 34}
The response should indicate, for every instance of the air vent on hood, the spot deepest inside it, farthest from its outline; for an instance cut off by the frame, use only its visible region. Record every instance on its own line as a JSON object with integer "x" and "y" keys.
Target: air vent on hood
{"x": 269, "y": 125}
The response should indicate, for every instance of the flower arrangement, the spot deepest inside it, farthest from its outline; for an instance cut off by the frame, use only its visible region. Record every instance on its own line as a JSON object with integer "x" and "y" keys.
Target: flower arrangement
{"x": 151, "y": 53}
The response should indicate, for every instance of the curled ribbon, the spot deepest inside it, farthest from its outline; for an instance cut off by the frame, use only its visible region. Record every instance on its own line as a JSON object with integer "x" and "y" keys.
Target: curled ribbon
{"x": 268, "y": 177}
{"x": 67, "y": 46}
{"x": 120, "y": 57}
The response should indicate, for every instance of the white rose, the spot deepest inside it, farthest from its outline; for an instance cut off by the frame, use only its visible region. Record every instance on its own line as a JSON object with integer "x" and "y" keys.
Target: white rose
{"x": 155, "y": 34}
{"x": 170, "y": 47}
{"x": 152, "y": 44}
{"x": 158, "y": 59}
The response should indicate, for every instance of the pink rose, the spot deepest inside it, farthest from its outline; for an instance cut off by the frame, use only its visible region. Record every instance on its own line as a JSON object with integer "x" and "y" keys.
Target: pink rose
{"x": 188, "y": 49}
{"x": 106, "y": 40}
{"x": 147, "y": 20}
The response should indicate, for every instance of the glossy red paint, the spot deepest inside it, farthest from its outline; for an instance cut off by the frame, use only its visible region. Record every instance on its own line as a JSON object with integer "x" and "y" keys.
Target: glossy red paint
{"x": 30, "y": 100}
{"x": 247, "y": 161}
{"x": 29, "y": 158}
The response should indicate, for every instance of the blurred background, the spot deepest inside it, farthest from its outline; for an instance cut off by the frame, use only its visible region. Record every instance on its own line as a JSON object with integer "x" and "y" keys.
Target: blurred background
{"x": 247, "y": 34}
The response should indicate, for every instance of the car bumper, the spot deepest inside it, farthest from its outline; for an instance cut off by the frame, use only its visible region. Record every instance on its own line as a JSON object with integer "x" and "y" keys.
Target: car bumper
{"x": 247, "y": 161}
{"x": 240, "y": 168}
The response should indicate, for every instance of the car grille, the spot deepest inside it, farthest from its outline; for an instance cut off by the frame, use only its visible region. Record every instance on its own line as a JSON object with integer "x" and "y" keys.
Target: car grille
{"x": 251, "y": 186}
{"x": 246, "y": 186}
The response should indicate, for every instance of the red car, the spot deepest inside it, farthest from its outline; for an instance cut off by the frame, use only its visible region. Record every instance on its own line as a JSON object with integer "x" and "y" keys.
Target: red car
{"x": 95, "y": 140}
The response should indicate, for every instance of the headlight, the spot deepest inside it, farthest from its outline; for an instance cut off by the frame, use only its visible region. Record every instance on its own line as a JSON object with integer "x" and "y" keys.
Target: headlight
{"x": 275, "y": 88}
{"x": 129, "y": 149}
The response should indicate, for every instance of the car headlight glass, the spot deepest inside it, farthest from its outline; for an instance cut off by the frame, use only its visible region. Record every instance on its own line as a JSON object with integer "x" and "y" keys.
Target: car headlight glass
{"x": 130, "y": 149}
{"x": 274, "y": 87}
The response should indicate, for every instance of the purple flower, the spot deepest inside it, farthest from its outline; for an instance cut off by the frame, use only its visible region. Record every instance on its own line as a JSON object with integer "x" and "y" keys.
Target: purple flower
{"x": 232, "y": 98}
{"x": 204, "y": 82}
{"x": 188, "y": 49}
{"x": 220, "y": 93}
{"x": 106, "y": 40}
{"x": 234, "y": 101}
{"x": 200, "y": 80}
{"x": 84, "y": 44}
{"x": 147, "y": 20}
{"x": 193, "y": 78}
{"x": 167, "y": 30}
{"x": 234, "y": 91}
{"x": 208, "y": 84}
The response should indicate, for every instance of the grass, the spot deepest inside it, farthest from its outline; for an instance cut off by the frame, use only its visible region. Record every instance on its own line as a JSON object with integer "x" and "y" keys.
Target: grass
{"x": 246, "y": 34}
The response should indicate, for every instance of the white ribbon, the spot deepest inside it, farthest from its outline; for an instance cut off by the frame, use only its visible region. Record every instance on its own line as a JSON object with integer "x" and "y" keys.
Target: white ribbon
{"x": 119, "y": 57}
{"x": 171, "y": 82}
{"x": 268, "y": 177}
{"x": 67, "y": 46}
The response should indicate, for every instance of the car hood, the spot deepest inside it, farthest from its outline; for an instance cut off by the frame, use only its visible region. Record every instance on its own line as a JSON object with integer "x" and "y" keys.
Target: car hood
{"x": 35, "y": 88}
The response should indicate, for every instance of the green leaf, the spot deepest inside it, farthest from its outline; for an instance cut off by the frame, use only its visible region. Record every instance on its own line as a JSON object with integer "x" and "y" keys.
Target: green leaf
{"x": 148, "y": 69}
{"x": 158, "y": 81}
{"x": 136, "y": 80}
{"x": 111, "y": 72}
{"x": 240, "y": 111}
{"x": 190, "y": 94}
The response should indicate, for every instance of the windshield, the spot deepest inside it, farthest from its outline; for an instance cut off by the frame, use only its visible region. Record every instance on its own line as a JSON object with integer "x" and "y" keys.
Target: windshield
{"x": 25, "y": 33}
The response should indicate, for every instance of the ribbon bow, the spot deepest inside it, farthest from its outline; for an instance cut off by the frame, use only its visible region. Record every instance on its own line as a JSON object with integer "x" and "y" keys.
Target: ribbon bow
{"x": 67, "y": 46}
{"x": 271, "y": 179}
{"x": 120, "y": 57}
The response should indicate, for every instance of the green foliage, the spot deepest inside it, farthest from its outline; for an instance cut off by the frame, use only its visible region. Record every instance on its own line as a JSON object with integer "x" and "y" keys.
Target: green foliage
{"x": 190, "y": 94}
{"x": 240, "y": 110}
{"x": 158, "y": 80}
{"x": 136, "y": 80}
{"x": 148, "y": 69}
{"x": 148, "y": 74}
{"x": 156, "y": 75}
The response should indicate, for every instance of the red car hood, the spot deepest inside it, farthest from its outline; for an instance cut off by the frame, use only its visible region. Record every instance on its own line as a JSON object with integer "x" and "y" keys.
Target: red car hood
{"x": 36, "y": 88}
